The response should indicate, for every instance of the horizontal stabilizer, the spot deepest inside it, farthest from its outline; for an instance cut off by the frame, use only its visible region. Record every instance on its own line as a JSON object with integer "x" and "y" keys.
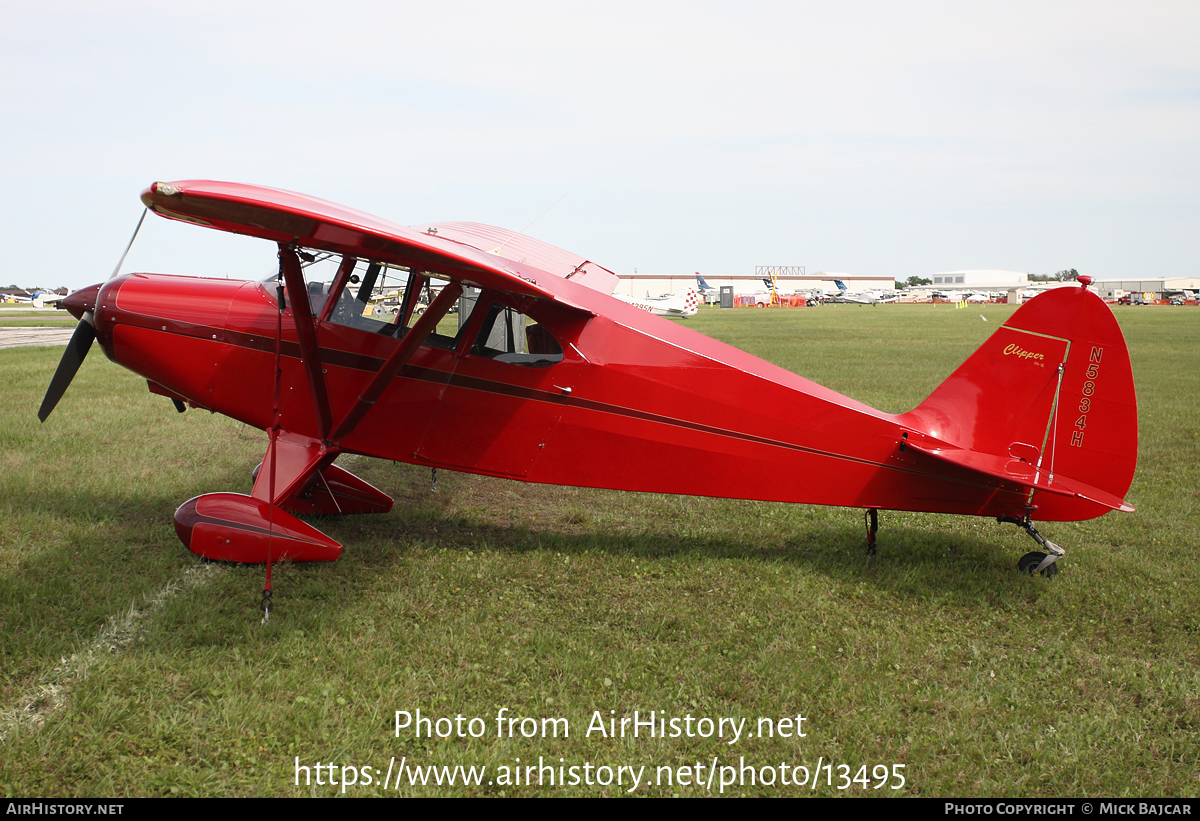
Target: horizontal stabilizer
{"x": 1020, "y": 472}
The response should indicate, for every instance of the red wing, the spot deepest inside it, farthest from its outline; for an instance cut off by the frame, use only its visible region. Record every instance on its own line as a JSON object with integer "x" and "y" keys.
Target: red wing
{"x": 541, "y": 255}
{"x": 285, "y": 216}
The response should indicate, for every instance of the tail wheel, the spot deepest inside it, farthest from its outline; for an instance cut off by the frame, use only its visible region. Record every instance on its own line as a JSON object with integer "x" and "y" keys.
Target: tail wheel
{"x": 1030, "y": 561}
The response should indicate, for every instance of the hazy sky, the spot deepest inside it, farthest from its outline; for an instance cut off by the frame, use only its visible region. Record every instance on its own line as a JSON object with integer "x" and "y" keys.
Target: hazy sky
{"x": 880, "y": 139}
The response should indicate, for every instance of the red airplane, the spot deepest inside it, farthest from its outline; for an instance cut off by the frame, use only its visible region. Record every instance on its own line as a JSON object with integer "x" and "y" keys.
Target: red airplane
{"x": 550, "y": 379}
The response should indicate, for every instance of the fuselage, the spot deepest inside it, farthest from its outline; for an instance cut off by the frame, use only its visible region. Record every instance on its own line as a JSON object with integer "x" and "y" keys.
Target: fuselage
{"x": 634, "y": 402}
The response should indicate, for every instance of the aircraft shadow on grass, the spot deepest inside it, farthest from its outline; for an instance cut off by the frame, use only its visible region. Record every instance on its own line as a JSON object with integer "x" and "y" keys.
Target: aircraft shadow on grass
{"x": 54, "y": 606}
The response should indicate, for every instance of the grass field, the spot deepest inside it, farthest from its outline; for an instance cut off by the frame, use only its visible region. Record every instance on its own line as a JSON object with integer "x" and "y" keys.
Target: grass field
{"x": 128, "y": 668}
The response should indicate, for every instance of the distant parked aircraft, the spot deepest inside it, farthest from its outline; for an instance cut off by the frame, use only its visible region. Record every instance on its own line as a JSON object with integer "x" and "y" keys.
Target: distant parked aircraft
{"x": 679, "y": 306}
{"x": 708, "y": 293}
{"x": 862, "y": 297}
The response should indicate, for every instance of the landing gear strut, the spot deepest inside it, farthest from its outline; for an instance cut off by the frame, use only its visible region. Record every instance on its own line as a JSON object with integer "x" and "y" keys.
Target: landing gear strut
{"x": 1036, "y": 561}
{"x": 871, "y": 521}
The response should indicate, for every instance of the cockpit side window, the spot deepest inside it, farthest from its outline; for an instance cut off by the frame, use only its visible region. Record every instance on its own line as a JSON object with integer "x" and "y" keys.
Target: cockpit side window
{"x": 368, "y": 295}
{"x": 370, "y": 298}
{"x": 388, "y": 299}
{"x": 507, "y": 335}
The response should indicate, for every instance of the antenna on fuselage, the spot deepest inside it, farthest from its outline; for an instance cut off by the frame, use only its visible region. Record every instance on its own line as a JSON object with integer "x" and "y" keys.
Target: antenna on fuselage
{"x": 500, "y": 247}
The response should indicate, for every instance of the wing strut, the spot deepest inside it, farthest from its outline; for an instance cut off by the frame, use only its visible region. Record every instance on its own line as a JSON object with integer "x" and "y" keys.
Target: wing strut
{"x": 403, "y": 352}
{"x": 289, "y": 263}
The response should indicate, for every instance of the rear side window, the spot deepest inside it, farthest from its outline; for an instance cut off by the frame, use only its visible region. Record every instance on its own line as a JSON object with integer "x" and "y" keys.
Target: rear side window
{"x": 509, "y": 336}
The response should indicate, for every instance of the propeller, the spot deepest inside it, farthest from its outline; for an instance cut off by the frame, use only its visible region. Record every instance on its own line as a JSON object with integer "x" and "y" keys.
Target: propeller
{"x": 77, "y": 348}
{"x": 85, "y": 334}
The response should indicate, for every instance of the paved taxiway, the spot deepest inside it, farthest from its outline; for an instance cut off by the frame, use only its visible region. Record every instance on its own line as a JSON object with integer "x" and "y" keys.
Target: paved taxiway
{"x": 20, "y": 337}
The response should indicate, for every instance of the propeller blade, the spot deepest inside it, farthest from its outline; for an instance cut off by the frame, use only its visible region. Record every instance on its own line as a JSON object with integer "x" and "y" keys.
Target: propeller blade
{"x": 77, "y": 348}
{"x": 84, "y": 336}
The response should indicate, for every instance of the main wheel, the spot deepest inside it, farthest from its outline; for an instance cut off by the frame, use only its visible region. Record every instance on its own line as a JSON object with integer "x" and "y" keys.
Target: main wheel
{"x": 1030, "y": 561}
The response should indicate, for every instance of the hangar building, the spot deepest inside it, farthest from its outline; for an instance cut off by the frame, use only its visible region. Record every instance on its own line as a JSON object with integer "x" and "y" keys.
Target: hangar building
{"x": 1161, "y": 288}
{"x": 987, "y": 279}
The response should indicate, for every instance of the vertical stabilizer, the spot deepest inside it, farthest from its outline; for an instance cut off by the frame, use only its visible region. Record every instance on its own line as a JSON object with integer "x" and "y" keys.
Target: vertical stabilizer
{"x": 1051, "y": 391}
